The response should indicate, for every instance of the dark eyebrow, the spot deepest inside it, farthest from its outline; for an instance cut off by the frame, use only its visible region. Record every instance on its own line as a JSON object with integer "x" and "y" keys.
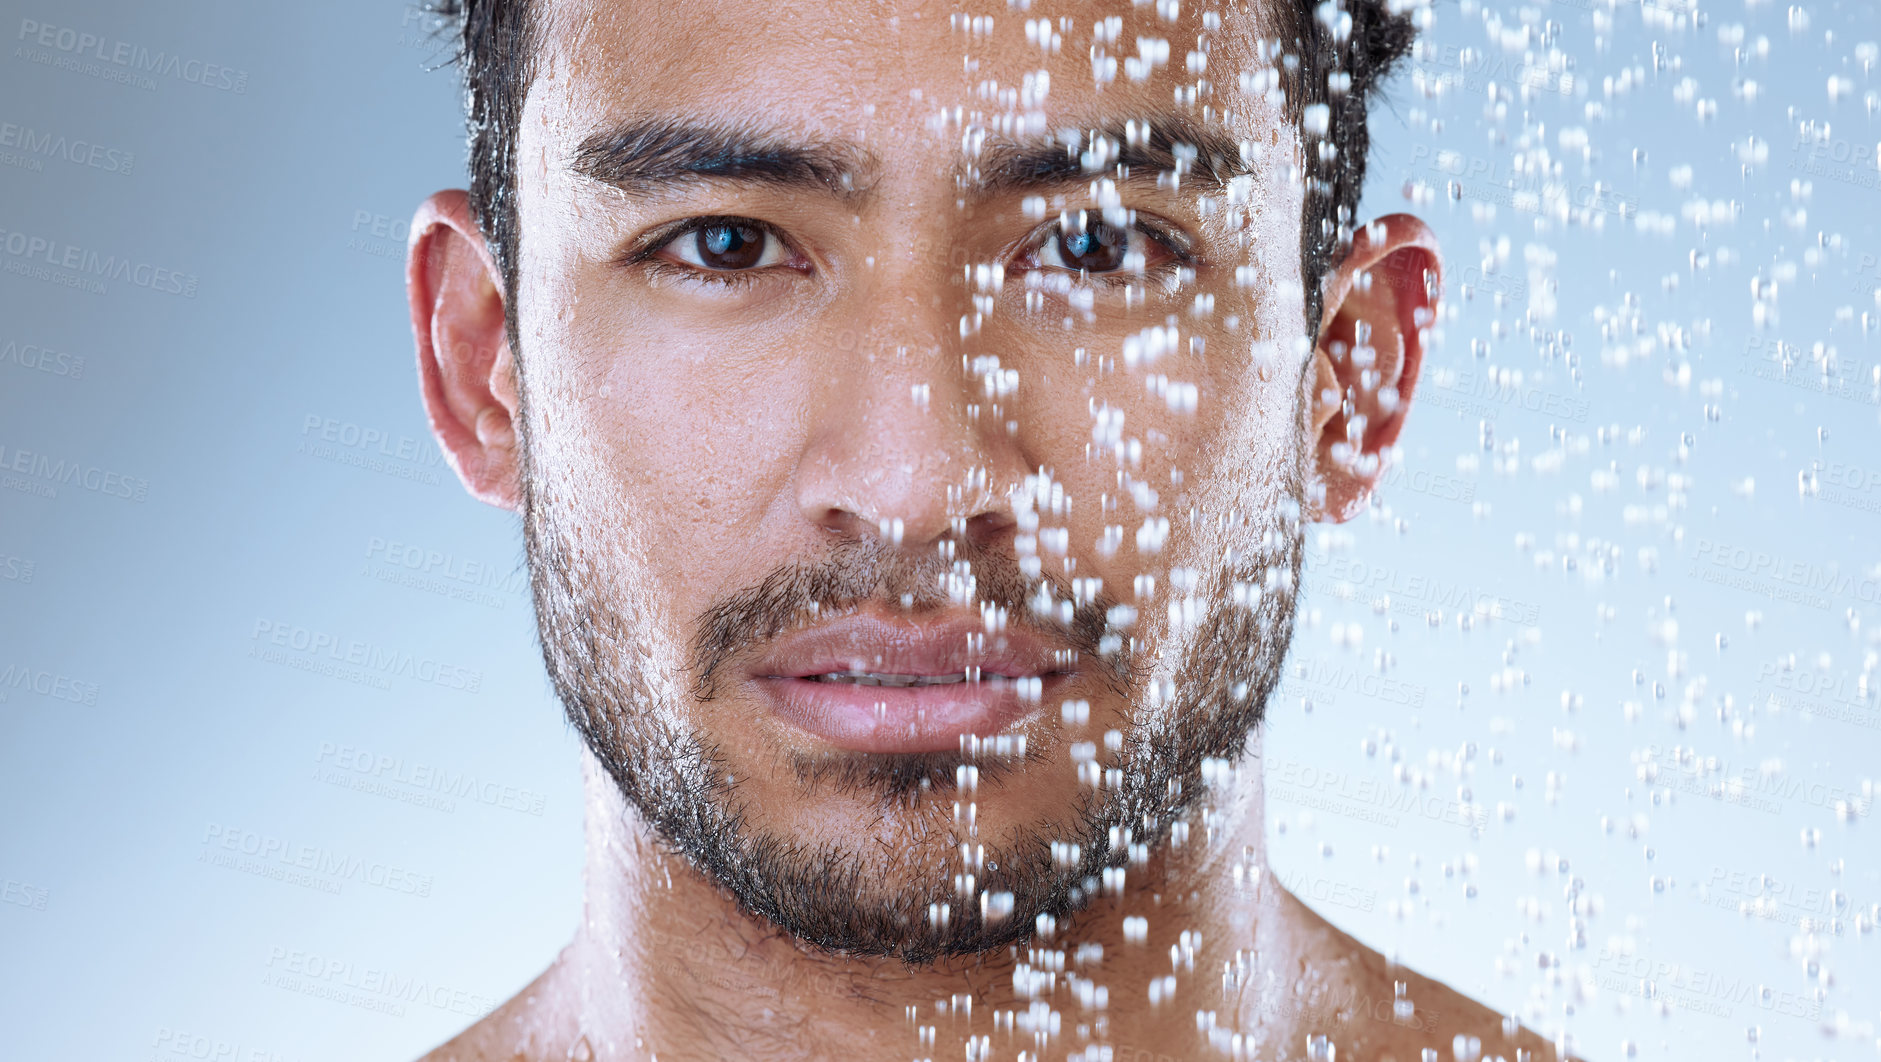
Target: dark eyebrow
{"x": 1007, "y": 167}
{"x": 640, "y": 156}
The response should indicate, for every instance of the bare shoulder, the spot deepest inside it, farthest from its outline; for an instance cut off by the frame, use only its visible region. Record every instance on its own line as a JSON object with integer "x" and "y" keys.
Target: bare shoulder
{"x": 1441, "y": 1013}
{"x": 524, "y": 1027}
{"x": 1378, "y": 1022}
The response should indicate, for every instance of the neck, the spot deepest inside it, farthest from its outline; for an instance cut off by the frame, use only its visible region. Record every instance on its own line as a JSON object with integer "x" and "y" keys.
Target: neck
{"x": 666, "y": 963}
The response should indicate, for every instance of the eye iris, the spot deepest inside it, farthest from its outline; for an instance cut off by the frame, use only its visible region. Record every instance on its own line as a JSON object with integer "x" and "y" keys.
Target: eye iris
{"x": 731, "y": 246}
{"x": 1098, "y": 248}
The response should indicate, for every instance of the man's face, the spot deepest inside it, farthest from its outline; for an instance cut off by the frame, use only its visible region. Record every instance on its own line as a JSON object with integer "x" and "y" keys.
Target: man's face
{"x": 908, "y": 488}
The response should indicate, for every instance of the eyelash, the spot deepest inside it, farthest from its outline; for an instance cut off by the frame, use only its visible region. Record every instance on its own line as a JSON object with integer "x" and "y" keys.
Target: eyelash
{"x": 1179, "y": 256}
{"x": 645, "y": 253}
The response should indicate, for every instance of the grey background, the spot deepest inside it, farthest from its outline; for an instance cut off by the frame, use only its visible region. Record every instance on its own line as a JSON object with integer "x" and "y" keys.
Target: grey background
{"x": 1653, "y": 503}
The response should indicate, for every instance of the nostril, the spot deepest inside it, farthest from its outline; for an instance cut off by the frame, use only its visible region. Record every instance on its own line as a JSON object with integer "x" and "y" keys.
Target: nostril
{"x": 985, "y": 526}
{"x": 838, "y": 521}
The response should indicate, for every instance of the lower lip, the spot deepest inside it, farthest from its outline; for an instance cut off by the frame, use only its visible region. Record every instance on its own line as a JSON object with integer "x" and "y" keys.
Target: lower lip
{"x": 862, "y": 718}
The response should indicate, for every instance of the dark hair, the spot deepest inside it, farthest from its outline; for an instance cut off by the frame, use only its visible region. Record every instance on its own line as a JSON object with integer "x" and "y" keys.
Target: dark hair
{"x": 1332, "y": 55}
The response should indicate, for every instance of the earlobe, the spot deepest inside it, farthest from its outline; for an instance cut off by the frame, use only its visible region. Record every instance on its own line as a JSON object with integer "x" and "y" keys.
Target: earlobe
{"x": 466, "y": 372}
{"x": 1379, "y": 305}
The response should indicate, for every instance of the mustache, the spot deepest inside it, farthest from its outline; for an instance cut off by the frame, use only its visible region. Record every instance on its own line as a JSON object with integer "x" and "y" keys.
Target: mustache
{"x": 899, "y": 778}
{"x": 858, "y": 572}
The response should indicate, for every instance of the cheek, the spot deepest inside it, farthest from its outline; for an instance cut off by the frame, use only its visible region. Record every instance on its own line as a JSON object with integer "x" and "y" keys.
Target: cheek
{"x": 1144, "y": 460}
{"x": 691, "y": 424}
{"x": 1171, "y": 423}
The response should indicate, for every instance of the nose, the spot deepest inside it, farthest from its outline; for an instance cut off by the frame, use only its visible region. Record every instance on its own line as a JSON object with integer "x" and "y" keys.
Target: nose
{"x": 907, "y": 446}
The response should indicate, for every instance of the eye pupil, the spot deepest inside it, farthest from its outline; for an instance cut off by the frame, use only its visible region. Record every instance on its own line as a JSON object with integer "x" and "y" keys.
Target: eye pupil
{"x": 1096, "y": 248}
{"x": 731, "y": 246}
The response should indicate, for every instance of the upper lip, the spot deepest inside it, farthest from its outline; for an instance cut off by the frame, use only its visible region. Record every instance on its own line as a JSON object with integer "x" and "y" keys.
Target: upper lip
{"x": 901, "y": 651}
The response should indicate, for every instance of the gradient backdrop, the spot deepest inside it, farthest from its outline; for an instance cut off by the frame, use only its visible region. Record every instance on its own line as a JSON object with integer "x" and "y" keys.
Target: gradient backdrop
{"x": 1583, "y": 719}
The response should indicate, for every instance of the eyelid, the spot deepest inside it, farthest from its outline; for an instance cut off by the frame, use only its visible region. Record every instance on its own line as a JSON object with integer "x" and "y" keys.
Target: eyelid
{"x": 1177, "y": 243}
{"x": 648, "y": 246}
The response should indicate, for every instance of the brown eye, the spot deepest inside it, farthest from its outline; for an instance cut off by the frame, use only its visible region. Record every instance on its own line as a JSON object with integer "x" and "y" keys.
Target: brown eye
{"x": 727, "y": 246}
{"x": 1095, "y": 248}
{"x": 731, "y": 246}
{"x": 1089, "y": 246}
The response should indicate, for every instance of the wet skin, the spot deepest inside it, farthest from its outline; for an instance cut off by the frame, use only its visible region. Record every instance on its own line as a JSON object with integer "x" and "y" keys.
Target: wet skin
{"x": 730, "y": 371}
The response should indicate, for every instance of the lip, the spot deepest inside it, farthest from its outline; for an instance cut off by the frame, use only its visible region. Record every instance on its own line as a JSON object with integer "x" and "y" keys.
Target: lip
{"x": 942, "y": 678}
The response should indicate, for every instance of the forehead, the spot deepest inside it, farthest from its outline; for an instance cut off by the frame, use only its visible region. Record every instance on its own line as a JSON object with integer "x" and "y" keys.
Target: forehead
{"x": 897, "y": 74}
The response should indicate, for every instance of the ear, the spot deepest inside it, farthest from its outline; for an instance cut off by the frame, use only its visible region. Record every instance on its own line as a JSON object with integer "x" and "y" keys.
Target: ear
{"x": 1380, "y": 302}
{"x": 465, "y": 369}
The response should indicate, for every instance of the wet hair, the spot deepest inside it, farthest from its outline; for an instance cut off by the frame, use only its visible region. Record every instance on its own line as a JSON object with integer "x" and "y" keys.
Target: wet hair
{"x": 1334, "y": 54}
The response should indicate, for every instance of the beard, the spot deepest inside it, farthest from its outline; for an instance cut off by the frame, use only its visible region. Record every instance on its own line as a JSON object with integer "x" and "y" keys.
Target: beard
{"x": 892, "y": 886}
